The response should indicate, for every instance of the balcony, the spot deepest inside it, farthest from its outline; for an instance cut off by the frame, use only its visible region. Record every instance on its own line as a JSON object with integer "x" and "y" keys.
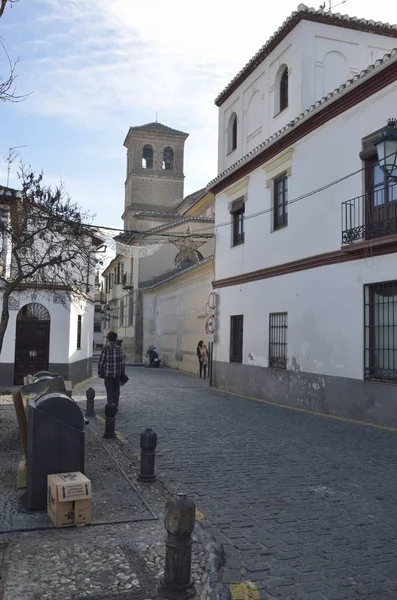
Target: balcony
{"x": 371, "y": 216}
{"x": 127, "y": 281}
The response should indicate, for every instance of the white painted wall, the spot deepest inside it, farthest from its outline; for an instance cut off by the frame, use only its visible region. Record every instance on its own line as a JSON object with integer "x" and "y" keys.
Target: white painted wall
{"x": 59, "y": 327}
{"x": 319, "y": 57}
{"x": 86, "y": 310}
{"x": 314, "y": 223}
{"x": 325, "y": 316}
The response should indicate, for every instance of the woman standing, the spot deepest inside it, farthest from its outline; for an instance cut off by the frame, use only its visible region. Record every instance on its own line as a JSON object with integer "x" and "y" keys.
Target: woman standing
{"x": 200, "y": 356}
{"x": 204, "y": 355}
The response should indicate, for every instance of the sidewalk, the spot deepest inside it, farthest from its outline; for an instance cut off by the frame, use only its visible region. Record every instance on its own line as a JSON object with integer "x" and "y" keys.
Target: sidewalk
{"x": 120, "y": 556}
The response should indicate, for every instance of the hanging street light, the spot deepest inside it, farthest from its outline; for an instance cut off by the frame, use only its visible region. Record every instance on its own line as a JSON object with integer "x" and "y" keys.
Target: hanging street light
{"x": 386, "y": 147}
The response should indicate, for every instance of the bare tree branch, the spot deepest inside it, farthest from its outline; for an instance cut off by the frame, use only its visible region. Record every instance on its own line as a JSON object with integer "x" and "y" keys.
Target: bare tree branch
{"x": 4, "y": 3}
{"x": 7, "y": 82}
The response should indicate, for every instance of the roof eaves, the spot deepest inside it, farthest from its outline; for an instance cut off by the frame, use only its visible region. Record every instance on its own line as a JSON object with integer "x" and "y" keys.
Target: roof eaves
{"x": 343, "y": 89}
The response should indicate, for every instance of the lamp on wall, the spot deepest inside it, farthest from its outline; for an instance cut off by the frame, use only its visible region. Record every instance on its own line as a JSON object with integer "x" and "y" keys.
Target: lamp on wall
{"x": 386, "y": 147}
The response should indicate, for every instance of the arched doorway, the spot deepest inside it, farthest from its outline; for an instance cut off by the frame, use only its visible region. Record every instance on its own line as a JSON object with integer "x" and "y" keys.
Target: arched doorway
{"x": 32, "y": 341}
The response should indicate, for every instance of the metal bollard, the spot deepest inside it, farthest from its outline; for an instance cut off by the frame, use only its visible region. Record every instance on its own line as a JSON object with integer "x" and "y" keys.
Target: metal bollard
{"x": 90, "y": 407}
{"x": 110, "y": 423}
{"x": 179, "y": 523}
{"x": 148, "y": 455}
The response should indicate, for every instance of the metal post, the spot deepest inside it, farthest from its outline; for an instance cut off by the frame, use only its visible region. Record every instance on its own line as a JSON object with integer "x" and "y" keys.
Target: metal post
{"x": 179, "y": 523}
{"x": 110, "y": 423}
{"x": 148, "y": 455}
{"x": 90, "y": 407}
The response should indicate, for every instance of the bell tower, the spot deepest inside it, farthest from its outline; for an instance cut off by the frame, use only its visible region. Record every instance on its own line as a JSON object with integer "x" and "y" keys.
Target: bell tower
{"x": 155, "y": 178}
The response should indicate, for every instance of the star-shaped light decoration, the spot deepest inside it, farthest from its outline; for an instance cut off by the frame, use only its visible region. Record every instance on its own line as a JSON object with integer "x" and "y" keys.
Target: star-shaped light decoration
{"x": 188, "y": 248}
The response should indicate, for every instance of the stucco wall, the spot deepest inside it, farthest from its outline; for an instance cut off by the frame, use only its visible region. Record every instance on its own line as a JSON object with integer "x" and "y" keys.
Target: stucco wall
{"x": 319, "y": 58}
{"x": 63, "y": 336}
{"x": 314, "y": 222}
{"x": 325, "y": 316}
{"x": 174, "y": 319}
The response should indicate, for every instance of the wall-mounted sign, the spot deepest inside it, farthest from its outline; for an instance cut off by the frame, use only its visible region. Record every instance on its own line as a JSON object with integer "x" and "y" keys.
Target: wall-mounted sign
{"x": 13, "y": 303}
{"x": 210, "y": 312}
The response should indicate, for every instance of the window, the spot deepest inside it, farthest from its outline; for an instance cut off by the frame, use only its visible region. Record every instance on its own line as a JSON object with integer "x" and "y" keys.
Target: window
{"x": 284, "y": 89}
{"x": 278, "y": 325}
{"x": 232, "y": 133}
{"x": 79, "y": 324}
{"x": 130, "y": 310}
{"x": 381, "y": 200}
{"x": 97, "y": 326}
{"x": 121, "y": 312}
{"x": 380, "y": 331}
{"x": 280, "y": 210}
{"x": 238, "y": 211}
{"x": 147, "y": 157}
{"x": 168, "y": 159}
{"x": 236, "y": 338}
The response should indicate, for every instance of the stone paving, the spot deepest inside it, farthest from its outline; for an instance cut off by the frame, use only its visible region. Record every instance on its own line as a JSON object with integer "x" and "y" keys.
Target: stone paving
{"x": 305, "y": 506}
{"x": 121, "y": 556}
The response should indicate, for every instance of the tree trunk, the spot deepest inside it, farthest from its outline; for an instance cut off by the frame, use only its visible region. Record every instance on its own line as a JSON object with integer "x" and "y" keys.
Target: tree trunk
{"x": 5, "y": 315}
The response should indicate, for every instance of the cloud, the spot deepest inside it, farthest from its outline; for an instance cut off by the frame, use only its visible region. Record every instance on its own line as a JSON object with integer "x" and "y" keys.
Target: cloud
{"x": 100, "y": 66}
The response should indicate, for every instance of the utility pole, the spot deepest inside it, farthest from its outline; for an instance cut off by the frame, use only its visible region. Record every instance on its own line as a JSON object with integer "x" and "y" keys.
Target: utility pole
{"x": 12, "y": 155}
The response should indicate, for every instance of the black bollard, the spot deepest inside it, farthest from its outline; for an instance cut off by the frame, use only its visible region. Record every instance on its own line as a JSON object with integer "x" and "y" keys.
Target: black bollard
{"x": 179, "y": 523}
{"x": 110, "y": 423}
{"x": 148, "y": 456}
{"x": 90, "y": 407}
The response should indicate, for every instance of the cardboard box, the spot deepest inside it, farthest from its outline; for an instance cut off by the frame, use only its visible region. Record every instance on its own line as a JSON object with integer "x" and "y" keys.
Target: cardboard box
{"x": 69, "y": 499}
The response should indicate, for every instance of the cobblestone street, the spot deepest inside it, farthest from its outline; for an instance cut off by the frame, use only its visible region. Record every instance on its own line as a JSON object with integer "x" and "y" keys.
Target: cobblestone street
{"x": 304, "y": 505}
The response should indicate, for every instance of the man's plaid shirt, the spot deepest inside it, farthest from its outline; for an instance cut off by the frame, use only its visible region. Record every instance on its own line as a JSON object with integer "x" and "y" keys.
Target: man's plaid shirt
{"x": 112, "y": 361}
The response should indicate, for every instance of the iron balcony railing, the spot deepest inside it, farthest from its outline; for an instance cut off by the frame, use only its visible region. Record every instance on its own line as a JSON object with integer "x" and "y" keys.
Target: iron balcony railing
{"x": 370, "y": 216}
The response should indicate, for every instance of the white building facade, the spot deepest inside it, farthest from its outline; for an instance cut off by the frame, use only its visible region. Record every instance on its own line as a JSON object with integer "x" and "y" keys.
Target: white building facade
{"x": 50, "y": 326}
{"x": 305, "y": 273}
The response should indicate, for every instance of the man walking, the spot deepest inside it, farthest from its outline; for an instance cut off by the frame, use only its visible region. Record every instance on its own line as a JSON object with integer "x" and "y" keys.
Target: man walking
{"x": 110, "y": 367}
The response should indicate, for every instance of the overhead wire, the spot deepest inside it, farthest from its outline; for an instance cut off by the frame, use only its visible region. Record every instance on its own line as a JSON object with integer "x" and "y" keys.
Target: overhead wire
{"x": 247, "y": 217}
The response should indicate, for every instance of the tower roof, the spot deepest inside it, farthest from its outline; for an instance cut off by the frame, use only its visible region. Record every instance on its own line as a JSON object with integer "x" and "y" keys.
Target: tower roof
{"x": 156, "y": 127}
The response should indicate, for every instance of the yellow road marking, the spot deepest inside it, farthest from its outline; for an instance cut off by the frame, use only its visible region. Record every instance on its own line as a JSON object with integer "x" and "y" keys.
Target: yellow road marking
{"x": 244, "y": 591}
{"x": 308, "y": 411}
{"x": 199, "y": 515}
{"x": 81, "y": 383}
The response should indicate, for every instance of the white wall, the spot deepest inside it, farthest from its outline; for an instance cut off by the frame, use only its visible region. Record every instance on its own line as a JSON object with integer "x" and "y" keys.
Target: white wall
{"x": 325, "y": 316}
{"x": 86, "y": 310}
{"x": 59, "y": 327}
{"x": 314, "y": 223}
{"x": 319, "y": 57}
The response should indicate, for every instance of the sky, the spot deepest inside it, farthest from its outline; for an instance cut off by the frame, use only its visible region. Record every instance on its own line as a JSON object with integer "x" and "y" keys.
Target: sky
{"x": 93, "y": 68}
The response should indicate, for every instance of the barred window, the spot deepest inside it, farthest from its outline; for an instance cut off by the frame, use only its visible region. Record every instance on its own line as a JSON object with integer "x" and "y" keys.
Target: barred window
{"x": 236, "y": 338}
{"x": 380, "y": 331}
{"x": 278, "y": 326}
{"x": 79, "y": 328}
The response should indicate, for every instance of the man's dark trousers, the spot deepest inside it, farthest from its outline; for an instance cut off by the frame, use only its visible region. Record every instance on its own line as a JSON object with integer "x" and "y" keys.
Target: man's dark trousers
{"x": 112, "y": 385}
